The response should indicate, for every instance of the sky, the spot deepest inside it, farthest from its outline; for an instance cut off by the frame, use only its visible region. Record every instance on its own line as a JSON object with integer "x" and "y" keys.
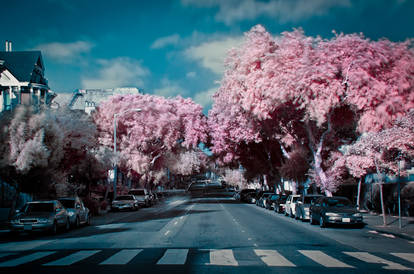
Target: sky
{"x": 175, "y": 47}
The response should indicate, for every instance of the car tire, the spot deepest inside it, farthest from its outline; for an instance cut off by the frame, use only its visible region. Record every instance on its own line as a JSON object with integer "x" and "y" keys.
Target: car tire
{"x": 88, "y": 220}
{"x": 53, "y": 230}
{"x": 77, "y": 222}
{"x": 322, "y": 222}
{"x": 311, "y": 221}
{"x": 67, "y": 225}
{"x": 291, "y": 214}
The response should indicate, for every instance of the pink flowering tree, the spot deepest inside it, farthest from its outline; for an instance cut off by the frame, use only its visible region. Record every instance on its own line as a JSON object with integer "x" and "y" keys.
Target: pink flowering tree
{"x": 334, "y": 89}
{"x": 46, "y": 149}
{"x": 145, "y": 139}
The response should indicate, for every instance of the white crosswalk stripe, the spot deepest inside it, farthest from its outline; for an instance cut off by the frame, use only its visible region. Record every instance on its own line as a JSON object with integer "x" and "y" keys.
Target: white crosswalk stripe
{"x": 272, "y": 258}
{"x": 217, "y": 257}
{"x": 222, "y": 257}
{"x": 174, "y": 256}
{"x": 73, "y": 258}
{"x": 369, "y": 258}
{"x": 406, "y": 256}
{"x": 122, "y": 257}
{"x": 26, "y": 259}
{"x": 323, "y": 259}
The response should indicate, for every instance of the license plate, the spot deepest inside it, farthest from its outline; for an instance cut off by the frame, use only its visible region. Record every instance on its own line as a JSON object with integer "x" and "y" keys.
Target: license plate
{"x": 27, "y": 227}
{"x": 346, "y": 220}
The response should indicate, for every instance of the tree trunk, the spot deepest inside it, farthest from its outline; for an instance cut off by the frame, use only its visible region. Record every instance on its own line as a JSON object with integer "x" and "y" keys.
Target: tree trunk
{"x": 359, "y": 193}
{"x": 382, "y": 206}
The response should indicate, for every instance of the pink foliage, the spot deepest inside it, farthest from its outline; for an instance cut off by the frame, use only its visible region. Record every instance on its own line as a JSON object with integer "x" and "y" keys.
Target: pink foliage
{"x": 144, "y": 138}
{"x": 382, "y": 149}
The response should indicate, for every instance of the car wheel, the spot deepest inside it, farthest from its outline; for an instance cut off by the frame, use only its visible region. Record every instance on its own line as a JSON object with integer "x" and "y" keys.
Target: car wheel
{"x": 88, "y": 220}
{"x": 322, "y": 222}
{"x": 291, "y": 214}
{"x": 67, "y": 226}
{"x": 311, "y": 221}
{"x": 77, "y": 222}
{"x": 53, "y": 230}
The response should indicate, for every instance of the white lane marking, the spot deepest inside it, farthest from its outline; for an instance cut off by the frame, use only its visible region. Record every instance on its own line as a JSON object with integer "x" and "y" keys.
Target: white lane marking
{"x": 373, "y": 231}
{"x": 22, "y": 246}
{"x": 73, "y": 258}
{"x": 323, "y": 259}
{"x": 122, "y": 257}
{"x": 174, "y": 256}
{"x": 249, "y": 239}
{"x": 166, "y": 233}
{"x": 255, "y": 245}
{"x": 272, "y": 258}
{"x": 412, "y": 242}
{"x": 181, "y": 217}
{"x": 110, "y": 226}
{"x": 369, "y": 258}
{"x": 406, "y": 256}
{"x": 388, "y": 235}
{"x": 222, "y": 257}
{"x": 243, "y": 231}
{"x": 176, "y": 223}
{"x": 26, "y": 259}
{"x": 177, "y": 202}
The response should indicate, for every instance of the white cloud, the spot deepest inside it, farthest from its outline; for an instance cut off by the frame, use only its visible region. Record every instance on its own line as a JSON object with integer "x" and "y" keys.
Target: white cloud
{"x": 205, "y": 98}
{"x": 191, "y": 74}
{"x": 211, "y": 55}
{"x": 170, "y": 89}
{"x": 166, "y": 41}
{"x": 232, "y": 11}
{"x": 118, "y": 72}
{"x": 65, "y": 52}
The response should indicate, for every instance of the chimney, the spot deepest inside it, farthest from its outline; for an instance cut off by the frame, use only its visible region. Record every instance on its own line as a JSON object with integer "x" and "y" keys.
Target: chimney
{"x": 10, "y": 46}
{"x": 7, "y": 46}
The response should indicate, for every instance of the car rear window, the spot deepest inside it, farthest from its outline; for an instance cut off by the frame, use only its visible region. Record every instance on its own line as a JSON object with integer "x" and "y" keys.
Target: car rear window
{"x": 125, "y": 197}
{"x": 274, "y": 197}
{"x": 308, "y": 200}
{"x": 40, "y": 207}
{"x": 68, "y": 203}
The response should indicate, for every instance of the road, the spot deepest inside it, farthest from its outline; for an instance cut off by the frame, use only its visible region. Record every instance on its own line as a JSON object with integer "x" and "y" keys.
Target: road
{"x": 205, "y": 235}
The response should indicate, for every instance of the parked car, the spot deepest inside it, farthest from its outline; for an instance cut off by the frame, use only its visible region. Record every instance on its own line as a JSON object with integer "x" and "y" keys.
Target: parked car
{"x": 246, "y": 195}
{"x": 142, "y": 195}
{"x": 271, "y": 201}
{"x": 280, "y": 204}
{"x": 77, "y": 211}
{"x": 250, "y": 198}
{"x": 290, "y": 207}
{"x": 125, "y": 202}
{"x": 40, "y": 216}
{"x": 334, "y": 210}
{"x": 262, "y": 199}
{"x": 303, "y": 205}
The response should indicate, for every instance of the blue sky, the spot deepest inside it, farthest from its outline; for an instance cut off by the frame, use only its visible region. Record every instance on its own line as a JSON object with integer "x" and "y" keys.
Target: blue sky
{"x": 171, "y": 47}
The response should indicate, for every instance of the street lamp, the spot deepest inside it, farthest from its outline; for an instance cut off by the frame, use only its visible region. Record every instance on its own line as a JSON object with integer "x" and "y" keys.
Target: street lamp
{"x": 115, "y": 126}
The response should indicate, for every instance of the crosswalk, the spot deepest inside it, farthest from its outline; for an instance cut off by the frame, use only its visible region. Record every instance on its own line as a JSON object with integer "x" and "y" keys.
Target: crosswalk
{"x": 215, "y": 257}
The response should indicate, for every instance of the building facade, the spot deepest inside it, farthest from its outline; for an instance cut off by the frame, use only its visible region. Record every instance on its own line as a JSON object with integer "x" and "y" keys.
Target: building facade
{"x": 22, "y": 80}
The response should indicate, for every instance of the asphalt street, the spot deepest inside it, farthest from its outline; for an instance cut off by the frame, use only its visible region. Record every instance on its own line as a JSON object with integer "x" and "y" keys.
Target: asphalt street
{"x": 205, "y": 235}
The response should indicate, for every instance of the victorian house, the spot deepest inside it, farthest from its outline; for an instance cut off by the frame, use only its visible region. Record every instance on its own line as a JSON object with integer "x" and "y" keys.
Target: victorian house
{"x": 22, "y": 79}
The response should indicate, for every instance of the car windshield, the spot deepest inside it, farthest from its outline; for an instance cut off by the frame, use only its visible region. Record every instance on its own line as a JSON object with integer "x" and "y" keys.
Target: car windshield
{"x": 338, "y": 202}
{"x": 274, "y": 197}
{"x": 39, "y": 207}
{"x": 138, "y": 192}
{"x": 308, "y": 200}
{"x": 68, "y": 203}
{"x": 125, "y": 197}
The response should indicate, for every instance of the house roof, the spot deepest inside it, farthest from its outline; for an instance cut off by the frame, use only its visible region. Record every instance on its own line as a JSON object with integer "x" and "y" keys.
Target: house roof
{"x": 21, "y": 63}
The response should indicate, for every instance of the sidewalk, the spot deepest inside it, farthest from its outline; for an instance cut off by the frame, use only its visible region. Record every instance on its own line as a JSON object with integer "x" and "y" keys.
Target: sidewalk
{"x": 375, "y": 222}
